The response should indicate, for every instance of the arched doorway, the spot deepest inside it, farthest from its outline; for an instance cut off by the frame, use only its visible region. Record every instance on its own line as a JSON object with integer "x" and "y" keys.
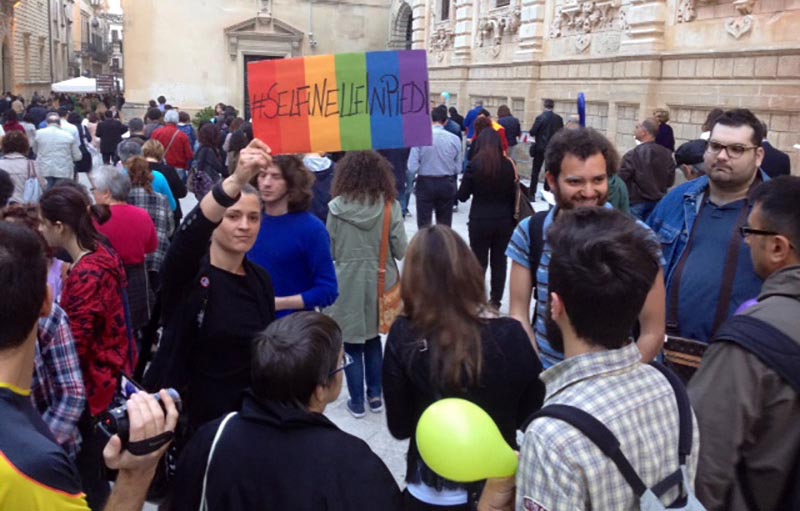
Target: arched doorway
{"x": 402, "y": 28}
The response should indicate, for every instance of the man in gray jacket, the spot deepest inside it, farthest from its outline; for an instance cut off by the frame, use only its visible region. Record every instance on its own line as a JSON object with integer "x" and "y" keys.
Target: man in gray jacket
{"x": 56, "y": 150}
{"x": 747, "y": 392}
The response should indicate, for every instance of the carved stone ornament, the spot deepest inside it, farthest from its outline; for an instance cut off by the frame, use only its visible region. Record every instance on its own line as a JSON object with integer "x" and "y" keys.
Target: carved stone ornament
{"x": 6, "y": 19}
{"x": 497, "y": 25}
{"x": 686, "y": 11}
{"x": 739, "y": 26}
{"x": 441, "y": 39}
{"x": 582, "y": 19}
{"x": 743, "y": 23}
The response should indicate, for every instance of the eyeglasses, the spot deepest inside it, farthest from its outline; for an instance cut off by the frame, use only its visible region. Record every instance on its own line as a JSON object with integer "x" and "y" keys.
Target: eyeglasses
{"x": 746, "y": 231}
{"x": 734, "y": 150}
{"x": 346, "y": 362}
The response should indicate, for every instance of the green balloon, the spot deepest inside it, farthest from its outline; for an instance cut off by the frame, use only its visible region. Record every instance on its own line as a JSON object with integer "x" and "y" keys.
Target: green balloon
{"x": 460, "y": 442}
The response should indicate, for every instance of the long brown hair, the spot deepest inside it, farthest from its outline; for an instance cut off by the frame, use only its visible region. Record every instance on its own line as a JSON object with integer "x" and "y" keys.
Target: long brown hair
{"x": 364, "y": 176}
{"x": 488, "y": 154}
{"x": 443, "y": 292}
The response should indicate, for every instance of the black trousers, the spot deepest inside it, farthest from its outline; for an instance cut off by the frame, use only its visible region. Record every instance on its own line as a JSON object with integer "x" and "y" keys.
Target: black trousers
{"x": 435, "y": 194}
{"x": 110, "y": 158}
{"x": 91, "y": 465}
{"x": 538, "y": 161}
{"x": 488, "y": 239}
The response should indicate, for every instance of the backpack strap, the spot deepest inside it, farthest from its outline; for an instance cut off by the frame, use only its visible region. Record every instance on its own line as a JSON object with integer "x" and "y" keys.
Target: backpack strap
{"x": 684, "y": 411}
{"x": 774, "y": 348}
{"x": 601, "y": 436}
{"x": 536, "y": 237}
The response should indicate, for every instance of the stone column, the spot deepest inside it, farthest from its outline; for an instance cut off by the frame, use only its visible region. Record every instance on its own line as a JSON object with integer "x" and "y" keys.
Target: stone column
{"x": 464, "y": 33}
{"x": 531, "y": 31}
{"x": 645, "y": 24}
{"x": 419, "y": 22}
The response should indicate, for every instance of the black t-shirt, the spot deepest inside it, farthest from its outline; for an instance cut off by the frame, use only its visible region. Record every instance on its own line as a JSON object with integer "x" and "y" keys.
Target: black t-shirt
{"x": 220, "y": 360}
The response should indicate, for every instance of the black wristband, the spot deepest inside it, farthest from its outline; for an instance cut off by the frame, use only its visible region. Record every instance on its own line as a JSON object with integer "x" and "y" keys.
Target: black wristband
{"x": 222, "y": 198}
{"x": 149, "y": 445}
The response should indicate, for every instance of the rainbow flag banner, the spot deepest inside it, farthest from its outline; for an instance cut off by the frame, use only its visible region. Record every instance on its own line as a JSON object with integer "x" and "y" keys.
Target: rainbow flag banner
{"x": 344, "y": 102}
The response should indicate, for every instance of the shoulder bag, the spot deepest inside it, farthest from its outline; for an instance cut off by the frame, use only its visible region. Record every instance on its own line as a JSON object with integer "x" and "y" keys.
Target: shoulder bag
{"x": 85, "y": 163}
{"x": 200, "y": 182}
{"x": 390, "y": 303}
{"x": 522, "y": 203}
{"x": 33, "y": 189}
{"x": 203, "y": 500}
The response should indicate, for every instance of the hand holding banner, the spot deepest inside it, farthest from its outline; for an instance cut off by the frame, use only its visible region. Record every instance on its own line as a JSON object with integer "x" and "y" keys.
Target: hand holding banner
{"x": 345, "y": 102}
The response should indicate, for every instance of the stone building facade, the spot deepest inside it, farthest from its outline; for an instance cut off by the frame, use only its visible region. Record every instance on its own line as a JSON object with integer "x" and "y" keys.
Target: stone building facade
{"x": 628, "y": 57}
{"x": 36, "y": 44}
{"x": 195, "y": 53}
{"x": 92, "y": 38}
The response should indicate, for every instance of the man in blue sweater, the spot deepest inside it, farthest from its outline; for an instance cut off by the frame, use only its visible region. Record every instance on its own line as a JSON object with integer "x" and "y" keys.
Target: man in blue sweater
{"x": 293, "y": 244}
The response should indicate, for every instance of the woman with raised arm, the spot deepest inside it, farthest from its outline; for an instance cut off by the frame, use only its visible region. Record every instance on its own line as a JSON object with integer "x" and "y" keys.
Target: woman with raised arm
{"x": 214, "y": 299}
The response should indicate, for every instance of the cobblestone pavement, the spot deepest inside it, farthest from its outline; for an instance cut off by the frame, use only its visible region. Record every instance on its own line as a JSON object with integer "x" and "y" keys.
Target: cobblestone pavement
{"x": 372, "y": 428}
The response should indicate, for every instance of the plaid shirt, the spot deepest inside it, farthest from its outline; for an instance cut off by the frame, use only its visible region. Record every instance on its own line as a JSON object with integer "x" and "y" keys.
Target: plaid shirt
{"x": 57, "y": 390}
{"x": 562, "y": 469}
{"x": 157, "y": 206}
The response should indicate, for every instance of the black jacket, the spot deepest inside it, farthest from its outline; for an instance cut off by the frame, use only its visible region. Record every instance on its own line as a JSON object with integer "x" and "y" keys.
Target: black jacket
{"x": 509, "y": 391}
{"x": 278, "y": 457}
{"x": 776, "y": 162}
{"x": 493, "y": 197}
{"x": 110, "y": 132}
{"x": 544, "y": 127}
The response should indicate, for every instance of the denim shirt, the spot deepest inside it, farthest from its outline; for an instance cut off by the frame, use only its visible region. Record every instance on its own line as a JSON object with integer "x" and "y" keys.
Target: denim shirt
{"x": 673, "y": 219}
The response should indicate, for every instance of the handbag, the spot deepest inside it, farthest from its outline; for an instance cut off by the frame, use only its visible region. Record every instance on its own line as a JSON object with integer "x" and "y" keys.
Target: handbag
{"x": 522, "y": 203}
{"x": 199, "y": 181}
{"x": 390, "y": 303}
{"x": 33, "y": 189}
{"x": 85, "y": 163}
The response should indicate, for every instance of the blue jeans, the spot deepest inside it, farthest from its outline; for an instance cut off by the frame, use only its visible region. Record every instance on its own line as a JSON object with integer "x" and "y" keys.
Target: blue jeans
{"x": 642, "y": 210}
{"x": 367, "y": 361}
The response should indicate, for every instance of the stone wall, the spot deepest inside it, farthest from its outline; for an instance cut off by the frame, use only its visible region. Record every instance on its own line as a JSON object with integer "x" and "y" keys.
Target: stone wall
{"x": 30, "y": 48}
{"x": 627, "y": 57}
{"x": 205, "y": 63}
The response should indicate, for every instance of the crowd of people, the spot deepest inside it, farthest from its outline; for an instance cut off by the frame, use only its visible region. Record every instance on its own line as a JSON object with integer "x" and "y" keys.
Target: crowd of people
{"x": 663, "y": 321}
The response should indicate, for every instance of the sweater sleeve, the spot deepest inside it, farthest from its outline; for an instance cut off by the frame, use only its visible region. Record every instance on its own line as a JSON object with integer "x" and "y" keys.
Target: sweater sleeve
{"x": 324, "y": 289}
{"x": 397, "y": 389}
{"x": 465, "y": 189}
{"x": 398, "y": 241}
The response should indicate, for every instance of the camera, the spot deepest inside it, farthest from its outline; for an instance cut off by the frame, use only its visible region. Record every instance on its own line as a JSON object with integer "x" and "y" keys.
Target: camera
{"x": 115, "y": 421}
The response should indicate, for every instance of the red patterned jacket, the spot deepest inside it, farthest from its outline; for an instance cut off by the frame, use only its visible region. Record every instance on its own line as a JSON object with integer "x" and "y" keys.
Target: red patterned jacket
{"x": 93, "y": 300}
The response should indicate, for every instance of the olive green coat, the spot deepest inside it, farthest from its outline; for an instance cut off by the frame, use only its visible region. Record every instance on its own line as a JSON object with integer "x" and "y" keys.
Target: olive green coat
{"x": 355, "y": 229}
